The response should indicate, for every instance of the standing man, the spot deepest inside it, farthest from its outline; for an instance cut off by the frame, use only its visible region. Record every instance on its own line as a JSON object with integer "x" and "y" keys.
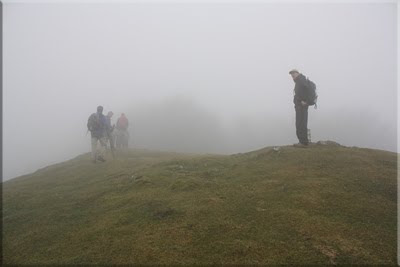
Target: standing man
{"x": 109, "y": 131}
{"x": 301, "y": 102}
{"x": 97, "y": 126}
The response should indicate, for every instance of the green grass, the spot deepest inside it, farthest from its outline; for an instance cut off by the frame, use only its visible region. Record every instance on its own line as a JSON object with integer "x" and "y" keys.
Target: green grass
{"x": 321, "y": 205}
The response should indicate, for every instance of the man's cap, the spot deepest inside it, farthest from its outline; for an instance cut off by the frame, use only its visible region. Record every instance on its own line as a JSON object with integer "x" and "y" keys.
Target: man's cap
{"x": 293, "y": 71}
{"x": 110, "y": 113}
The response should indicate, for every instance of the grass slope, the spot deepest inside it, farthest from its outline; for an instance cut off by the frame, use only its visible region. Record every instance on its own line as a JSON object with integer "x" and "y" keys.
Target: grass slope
{"x": 321, "y": 205}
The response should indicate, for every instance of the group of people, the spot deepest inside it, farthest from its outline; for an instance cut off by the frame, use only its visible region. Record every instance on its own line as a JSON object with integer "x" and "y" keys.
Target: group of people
{"x": 103, "y": 132}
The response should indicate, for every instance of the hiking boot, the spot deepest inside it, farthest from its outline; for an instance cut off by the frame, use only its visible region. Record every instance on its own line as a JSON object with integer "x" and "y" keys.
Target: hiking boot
{"x": 300, "y": 145}
{"x": 100, "y": 158}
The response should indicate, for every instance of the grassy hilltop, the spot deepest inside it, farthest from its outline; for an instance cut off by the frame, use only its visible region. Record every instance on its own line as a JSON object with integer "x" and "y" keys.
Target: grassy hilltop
{"x": 322, "y": 205}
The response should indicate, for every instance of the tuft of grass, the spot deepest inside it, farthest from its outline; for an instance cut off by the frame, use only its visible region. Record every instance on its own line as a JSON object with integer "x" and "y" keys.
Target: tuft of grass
{"x": 323, "y": 205}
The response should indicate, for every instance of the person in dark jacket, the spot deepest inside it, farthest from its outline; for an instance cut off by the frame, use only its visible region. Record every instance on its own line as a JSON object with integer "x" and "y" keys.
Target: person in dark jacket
{"x": 301, "y": 102}
{"x": 97, "y": 125}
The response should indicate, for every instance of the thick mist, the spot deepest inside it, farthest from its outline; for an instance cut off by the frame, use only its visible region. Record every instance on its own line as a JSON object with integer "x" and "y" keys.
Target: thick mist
{"x": 196, "y": 78}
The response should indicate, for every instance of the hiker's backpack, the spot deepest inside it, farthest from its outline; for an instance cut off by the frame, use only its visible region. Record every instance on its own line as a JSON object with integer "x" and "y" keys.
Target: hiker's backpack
{"x": 312, "y": 91}
{"x": 94, "y": 123}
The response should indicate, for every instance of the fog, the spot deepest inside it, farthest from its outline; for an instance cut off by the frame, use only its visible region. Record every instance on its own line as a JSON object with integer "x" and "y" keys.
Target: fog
{"x": 196, "y": 78}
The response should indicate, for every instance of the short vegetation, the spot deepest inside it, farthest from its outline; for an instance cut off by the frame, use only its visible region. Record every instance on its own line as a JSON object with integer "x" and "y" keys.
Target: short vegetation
{"x": 327, "y": 204}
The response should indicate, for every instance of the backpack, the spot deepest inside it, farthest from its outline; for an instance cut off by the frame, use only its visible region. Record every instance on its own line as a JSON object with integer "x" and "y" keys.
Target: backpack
{"x": 94, "y": 123}
{"x": 313, "y": 97}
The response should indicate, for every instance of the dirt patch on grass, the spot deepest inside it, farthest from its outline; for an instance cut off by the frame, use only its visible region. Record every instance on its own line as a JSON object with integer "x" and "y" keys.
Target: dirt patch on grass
{"x": 158, "y": 210}
{"x": 328, "y": 251}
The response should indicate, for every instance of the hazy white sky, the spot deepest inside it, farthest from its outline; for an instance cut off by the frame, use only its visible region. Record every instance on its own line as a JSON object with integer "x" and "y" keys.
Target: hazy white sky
{"x": 194, "y": 77}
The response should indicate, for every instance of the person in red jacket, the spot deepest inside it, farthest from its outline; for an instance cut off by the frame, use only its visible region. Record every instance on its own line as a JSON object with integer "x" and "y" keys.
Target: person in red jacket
{"x": 122, "y": 134}
{"x": 122, "y": 122}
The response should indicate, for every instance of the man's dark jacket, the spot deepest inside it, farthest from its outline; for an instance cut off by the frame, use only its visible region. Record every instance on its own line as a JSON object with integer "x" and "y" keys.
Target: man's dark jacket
{"x": 301, "y": 91}
{"x": 101, "y": 130}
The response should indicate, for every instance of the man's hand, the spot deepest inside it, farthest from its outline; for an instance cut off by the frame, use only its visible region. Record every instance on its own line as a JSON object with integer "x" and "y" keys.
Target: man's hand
{"x": 304, "y": 103}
